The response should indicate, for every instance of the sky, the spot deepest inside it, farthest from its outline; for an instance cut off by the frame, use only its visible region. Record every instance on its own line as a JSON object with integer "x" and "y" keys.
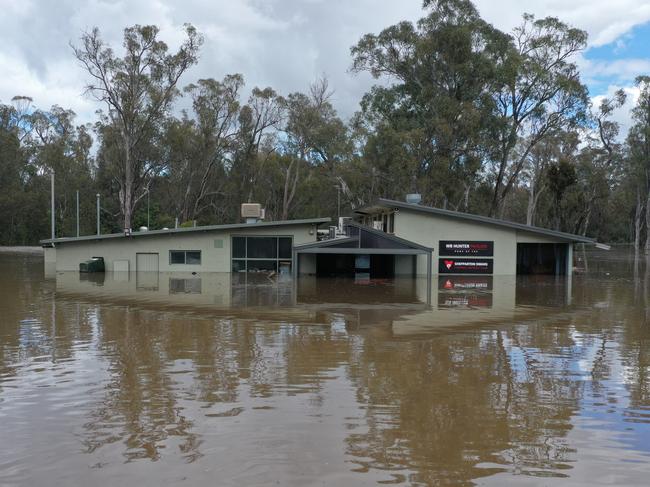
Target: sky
{"x": 287, "y": 44}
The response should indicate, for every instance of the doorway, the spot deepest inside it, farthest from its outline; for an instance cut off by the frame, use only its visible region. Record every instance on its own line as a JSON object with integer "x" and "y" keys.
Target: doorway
{"x": 542, "y": 258}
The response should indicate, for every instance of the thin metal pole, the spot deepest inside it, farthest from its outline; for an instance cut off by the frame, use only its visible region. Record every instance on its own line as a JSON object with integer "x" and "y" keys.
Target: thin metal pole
{"x": 77, "y": 213}
{"x": 429, "y": 277}
{"x": 338, "y": 200}
{"x": 98, "y": 214}
{"x": 52, "y": 203}
{"x": 148, "y": 209}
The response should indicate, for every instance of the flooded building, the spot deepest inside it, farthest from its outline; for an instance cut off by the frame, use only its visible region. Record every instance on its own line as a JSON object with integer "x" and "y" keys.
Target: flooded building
{"x": 253, "y": 246}
{"x": 393, "y": 238}
{"x": 383, "y": 240}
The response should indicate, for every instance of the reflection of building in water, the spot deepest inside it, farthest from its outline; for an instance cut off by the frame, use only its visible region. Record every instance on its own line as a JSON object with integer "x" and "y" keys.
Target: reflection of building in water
{"x": 405, "y": 305}
{"x": 149, "y": 287}
{"x": 185, "y": 286}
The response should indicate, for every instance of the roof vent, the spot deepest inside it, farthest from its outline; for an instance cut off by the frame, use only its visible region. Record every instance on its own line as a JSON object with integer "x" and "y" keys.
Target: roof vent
{"x": 413, "y": 198}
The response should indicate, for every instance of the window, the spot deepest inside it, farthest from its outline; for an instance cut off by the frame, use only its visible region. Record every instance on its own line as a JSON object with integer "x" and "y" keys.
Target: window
{"x": 238, "y": 247}
{"x": 190, "y": 257}
{"x": 261, "y": 254}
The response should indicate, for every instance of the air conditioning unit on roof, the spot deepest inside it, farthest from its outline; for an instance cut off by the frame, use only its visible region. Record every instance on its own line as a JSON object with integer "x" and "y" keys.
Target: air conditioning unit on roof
{"x": 251, "y": 210}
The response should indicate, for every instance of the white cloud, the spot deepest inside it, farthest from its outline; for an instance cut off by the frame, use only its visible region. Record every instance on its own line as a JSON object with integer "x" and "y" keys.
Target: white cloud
{"x": 604, "y": 20}
{"x": 619, "y": 69}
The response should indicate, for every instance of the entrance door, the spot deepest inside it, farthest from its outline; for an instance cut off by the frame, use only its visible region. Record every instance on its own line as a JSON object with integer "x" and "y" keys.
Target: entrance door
{"x": 146, "y": 262}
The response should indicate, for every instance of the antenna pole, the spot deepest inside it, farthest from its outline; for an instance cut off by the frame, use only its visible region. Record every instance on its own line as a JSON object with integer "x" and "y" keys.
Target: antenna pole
{"x": 77, "y": 213}
{"x": 52, "y": 203}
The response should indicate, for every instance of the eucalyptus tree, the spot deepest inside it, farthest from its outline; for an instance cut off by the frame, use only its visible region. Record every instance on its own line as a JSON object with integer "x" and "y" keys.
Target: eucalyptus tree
{"x": 638, "y": 142}
{"x": 540, "y": 93}
{"x": 14, "y": 171}
{"x": 555, "y": 147}
{"x": 199, "y": 146}
{"x": 436, "y": 100}
{"x": 258, "y": 120}
{"x": 315, "y": 142}
{"x": 137, "y": 90}
{"x": 601, "y": 162}
{"x": 57, "y": 144}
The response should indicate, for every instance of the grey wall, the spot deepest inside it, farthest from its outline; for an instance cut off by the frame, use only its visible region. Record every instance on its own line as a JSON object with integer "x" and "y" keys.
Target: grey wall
{"x": 428, "y": 229}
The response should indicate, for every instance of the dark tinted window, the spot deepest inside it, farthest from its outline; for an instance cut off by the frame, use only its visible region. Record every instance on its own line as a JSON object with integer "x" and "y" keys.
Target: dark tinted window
{"x": 261, "y": 254}
{"x": 185, "y": 257}
{"x": 262, "y": 248}
{"x": 239, "y": 247}
{"x": 177, "y": 257}
{"x": 285, "y": 248}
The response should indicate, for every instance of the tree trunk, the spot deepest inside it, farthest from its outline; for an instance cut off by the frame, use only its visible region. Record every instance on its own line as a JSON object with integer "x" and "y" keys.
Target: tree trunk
{"x": 638, "y": 222}
{"x": 647, "y": 223}
{"x": 128, "y": 185}
{"x": 530, "y": 211}
{"x": 466, "y": 198}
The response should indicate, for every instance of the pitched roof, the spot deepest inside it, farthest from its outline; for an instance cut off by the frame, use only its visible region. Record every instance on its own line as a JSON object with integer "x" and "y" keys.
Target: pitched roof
{"x": 378, "y": 242}
{"x": 206, "y": 228}
{"x": 386, "y": 203}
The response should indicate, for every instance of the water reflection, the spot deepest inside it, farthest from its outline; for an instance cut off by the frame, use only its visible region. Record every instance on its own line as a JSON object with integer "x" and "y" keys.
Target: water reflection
{"x": 246, "y": 380}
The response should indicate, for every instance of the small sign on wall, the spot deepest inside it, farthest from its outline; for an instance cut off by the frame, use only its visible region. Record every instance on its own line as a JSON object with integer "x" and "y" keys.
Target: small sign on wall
{"x": 464, "y": 266}
{"x": 464, "y": 283}
{"x": 466, "y": 248}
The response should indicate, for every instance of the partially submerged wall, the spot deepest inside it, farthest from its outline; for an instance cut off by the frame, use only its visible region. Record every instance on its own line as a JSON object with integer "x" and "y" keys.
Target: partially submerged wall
{"x": 215, "y": 247}
{"x": 429, "y": 229}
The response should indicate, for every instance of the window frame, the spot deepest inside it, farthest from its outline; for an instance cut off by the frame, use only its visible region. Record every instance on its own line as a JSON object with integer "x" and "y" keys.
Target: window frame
{"x": 245, "y": 259}
{"x": 185, "y": 252}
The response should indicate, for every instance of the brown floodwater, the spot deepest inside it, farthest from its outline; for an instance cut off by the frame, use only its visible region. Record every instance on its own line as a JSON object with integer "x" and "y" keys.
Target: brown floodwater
{"x": 240, "y": 380}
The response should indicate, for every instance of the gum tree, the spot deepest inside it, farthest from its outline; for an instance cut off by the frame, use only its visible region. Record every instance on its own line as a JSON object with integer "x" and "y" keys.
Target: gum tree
{"x": 137, "y": 90}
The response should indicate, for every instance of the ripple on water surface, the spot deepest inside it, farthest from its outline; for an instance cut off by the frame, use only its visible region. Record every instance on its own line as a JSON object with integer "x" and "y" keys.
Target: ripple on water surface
{"x": 107, "y": 381}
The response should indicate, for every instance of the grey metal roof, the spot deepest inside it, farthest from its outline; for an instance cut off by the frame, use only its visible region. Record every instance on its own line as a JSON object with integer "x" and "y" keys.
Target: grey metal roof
{"x": 207, "y": 228}
{"x": 326, "y": 246}
{"x": 326, "y": 243}
{"x": 389, "y": 236}
{"x": 386, "y": 203}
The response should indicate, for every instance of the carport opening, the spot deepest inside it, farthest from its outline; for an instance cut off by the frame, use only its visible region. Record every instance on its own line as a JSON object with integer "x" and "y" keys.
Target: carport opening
{"x": 542, "y": 258}
{"x": 379, "y": 266}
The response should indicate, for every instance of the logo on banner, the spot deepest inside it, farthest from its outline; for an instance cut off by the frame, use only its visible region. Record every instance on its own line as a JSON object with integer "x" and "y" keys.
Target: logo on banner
{"x": 466, "y": 248}
{"x": 465, "y": 266}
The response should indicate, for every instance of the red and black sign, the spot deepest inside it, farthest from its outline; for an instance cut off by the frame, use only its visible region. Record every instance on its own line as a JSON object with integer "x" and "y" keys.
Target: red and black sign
{"x": 464, "y": 266}
{"x": 457, "y": 248}
{"x": 462, "y": 283}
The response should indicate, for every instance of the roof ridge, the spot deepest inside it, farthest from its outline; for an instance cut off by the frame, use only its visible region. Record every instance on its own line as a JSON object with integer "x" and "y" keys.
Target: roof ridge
{"x": 204, "y": 228}
{"x": 484, "y": 219}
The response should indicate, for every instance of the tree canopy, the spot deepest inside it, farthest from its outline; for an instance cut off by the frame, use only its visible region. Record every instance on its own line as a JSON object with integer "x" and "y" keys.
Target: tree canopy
{"x": 473, "y": 118}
